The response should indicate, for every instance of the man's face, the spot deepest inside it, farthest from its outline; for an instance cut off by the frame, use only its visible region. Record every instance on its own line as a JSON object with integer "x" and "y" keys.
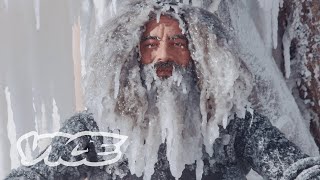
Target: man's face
{"x": 164, "y": 44}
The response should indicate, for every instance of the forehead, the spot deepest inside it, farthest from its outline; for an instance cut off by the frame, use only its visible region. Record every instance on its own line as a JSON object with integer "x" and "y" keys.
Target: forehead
{"x": 171, "y": 25}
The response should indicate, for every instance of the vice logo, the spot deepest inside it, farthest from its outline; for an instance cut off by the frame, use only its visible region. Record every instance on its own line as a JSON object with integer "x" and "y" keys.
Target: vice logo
{"x": 109, "y": 149}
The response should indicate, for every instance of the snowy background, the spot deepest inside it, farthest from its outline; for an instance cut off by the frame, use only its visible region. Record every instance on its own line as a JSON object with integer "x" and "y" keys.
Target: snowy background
{"x": 44, "y": 46}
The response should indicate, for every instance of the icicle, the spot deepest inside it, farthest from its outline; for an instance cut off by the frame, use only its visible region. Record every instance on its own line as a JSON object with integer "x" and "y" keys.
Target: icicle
{"x": 114, "y": 5}
{"x": 35, "y": 117}
{"x": 117, "y": 82}
{"x": 36, "y": 5}
{"x": 100, "y": 12}
{"x": 55, "y": 117}
{"x": 274, "y": 22}
{"x": 86, "y": 8}
{"x": 271, "y": 9}
{"x": 28, "y": 151}
{"x": 286, "y": 41}
{"x": 11, "y": 128}
{"x": 225, "y": 121}
{"x": 43, "y": 117}
{"x": 44, "y": 143}
{"x": 158, "y": 16}
{"x": 199, "y": 169}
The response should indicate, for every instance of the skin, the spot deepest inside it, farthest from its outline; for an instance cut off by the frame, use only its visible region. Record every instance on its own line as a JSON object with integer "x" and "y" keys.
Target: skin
{"x": 164, "y": 41}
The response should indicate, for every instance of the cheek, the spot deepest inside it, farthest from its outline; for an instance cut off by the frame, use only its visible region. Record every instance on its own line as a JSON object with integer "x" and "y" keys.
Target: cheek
{"x": 183, "y": 58}
{"x": 146, "y": 56}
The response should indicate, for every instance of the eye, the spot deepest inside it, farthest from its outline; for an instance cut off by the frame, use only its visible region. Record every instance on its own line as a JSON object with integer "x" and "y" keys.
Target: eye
{"x": 179, "y": 45}
{"x": 151, "y": 45}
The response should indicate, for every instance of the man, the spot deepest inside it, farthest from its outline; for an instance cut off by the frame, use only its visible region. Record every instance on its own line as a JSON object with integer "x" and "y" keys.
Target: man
{"x": 164, "y": 75}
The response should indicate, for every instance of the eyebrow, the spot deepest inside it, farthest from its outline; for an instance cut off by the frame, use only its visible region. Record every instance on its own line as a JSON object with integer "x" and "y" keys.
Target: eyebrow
{"x": 178, "y": 36}
{"x": 174, "y": 37}
{"x": 145, "y": 38}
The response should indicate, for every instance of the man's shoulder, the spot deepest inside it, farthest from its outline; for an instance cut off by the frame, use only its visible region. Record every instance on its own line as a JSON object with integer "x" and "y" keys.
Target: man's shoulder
{"x": 81, "y": 121}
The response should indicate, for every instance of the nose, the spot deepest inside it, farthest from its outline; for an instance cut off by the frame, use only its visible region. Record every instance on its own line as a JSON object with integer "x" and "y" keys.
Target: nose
{"x": 163, "y": 53}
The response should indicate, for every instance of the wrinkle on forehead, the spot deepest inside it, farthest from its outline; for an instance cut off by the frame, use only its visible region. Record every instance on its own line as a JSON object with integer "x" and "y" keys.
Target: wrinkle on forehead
{"x": 166, "y": 24}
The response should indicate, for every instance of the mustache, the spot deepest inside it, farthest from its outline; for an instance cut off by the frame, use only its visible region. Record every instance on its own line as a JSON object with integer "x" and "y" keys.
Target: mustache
{"x": 165, "y": 64}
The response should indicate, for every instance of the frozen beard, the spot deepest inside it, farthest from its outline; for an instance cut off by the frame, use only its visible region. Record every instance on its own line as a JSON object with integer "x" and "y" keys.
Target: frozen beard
{"x": 153, "y": 111}
{"x": 174, "y": 105}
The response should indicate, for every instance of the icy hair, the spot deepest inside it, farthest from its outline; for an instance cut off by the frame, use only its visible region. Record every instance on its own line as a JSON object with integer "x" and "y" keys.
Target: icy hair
{"x": 224, "y": 81}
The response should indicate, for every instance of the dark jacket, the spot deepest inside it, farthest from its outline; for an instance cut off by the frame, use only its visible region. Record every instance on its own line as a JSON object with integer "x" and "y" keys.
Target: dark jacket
{"x": 246, "y": 143}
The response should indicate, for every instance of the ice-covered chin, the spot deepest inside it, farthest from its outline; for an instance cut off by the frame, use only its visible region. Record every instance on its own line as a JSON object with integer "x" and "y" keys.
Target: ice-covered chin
{"x": 174, "y": 101}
